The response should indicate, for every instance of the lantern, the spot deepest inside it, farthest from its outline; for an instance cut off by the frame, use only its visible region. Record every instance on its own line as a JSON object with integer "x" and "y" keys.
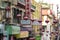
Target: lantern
{"x": 47, "y": 21}
{"x": 25, "y": 18}
{"x": 40, "y": 21}
{"x": 46, "y": 34}
{"x": 43, "y": 30}
{"x": 8, "y": 8}
{"x": 47, "y": 31}
{"x": 32, "y": 20}
{"x": 18, "y": 15}
{"x": 55, "y": 21}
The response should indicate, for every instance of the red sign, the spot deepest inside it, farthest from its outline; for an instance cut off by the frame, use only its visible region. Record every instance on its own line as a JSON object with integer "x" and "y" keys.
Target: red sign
{"x": 28, "y": 7}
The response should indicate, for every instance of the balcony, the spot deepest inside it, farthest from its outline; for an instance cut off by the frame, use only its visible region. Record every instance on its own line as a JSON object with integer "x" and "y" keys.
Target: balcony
{"x": 33, "y": 7}
{"x": 21, "y": 2}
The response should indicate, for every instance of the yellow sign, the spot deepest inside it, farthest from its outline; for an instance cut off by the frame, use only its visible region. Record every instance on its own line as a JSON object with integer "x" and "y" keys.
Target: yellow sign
{"x": 23, "y": 34}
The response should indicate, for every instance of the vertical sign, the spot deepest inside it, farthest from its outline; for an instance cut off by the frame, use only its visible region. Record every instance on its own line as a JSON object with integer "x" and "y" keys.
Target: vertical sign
{"x": 28, "y": 7}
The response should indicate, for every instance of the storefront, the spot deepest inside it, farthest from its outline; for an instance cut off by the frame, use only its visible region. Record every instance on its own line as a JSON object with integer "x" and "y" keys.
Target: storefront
{"x": 12, "y": 31}
{"x": 36, "y": 28}
{"x": 27, "y": 27}
{"x": 1, "y": 31}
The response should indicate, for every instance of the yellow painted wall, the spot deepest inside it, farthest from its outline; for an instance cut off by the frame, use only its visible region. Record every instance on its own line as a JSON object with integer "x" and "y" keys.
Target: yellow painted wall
{"x": 36, "y": 14}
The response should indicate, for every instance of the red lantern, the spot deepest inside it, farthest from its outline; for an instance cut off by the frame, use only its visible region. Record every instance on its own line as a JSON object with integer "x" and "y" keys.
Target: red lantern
{"x": 47, "y": 21}
{"x": 32, "y": 20}
{"x": 25, "y": 18}
{"x": 8, "y": 8}
{"x": 46, "y": 34}
{"x": 42, "y": 30}
{"x": 40, "y": 21}
{"x": 47, "y": 31}
{"x": 18, "y": 15}
{"x": 55, "y": 21}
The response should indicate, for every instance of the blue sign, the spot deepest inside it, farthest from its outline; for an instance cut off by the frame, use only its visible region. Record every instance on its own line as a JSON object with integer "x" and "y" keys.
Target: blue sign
{"x": 25, "y": 21}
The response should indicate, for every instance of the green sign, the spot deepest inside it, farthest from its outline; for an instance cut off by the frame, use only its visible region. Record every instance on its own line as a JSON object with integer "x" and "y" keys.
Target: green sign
{"x": 15, "y": 30}
{"x": 12, "y": 29}
{"x": 8, "y": 28}
{"x": 38, "y": 37}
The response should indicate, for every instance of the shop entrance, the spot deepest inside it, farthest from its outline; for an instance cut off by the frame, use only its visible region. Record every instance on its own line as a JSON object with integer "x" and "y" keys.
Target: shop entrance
{"x": 1, "y": 36}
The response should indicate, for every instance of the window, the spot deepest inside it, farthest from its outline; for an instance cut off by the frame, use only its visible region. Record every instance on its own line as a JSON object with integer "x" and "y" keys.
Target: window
{"x": 15, "y": 12}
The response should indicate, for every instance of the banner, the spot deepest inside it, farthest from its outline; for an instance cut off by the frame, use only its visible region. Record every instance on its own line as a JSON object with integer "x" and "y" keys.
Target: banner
{"x": 23, "y": 34}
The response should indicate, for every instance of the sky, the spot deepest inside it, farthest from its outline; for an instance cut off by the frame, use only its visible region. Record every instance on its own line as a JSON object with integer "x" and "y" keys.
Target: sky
{"x": 54, "y": 2}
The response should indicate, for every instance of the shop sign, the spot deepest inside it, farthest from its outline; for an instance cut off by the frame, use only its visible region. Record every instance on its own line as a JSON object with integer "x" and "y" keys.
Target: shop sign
{"x": 35, "y": 23}
{"x": 27, "y": 26}
{"x": 8, "y": 28}
{"x": 45, "y": 5}
{"x": 1, "y": 28}
{"x": 12, "y": 29}
{"x": 15, "y": 30}
{"x": 23, "y": 34}
{"x": 25, "y": 21}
